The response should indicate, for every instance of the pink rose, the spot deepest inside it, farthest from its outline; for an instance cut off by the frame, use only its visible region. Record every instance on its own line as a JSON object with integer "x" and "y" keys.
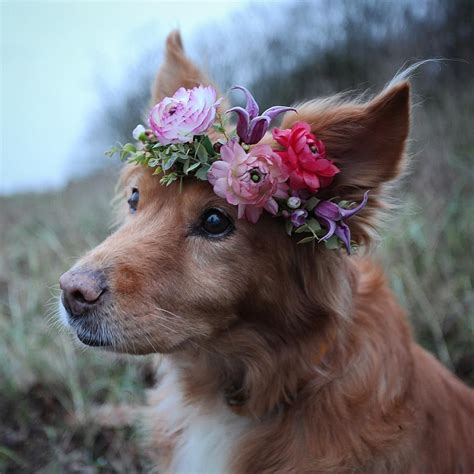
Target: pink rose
{"x": 189, "y": 112}
{"x": 250, "y": 181}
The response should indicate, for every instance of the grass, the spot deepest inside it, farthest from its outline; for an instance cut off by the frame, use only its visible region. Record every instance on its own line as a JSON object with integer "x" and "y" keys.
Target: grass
{"x": 427, "y": 250}
{"x": 49, "y": 385}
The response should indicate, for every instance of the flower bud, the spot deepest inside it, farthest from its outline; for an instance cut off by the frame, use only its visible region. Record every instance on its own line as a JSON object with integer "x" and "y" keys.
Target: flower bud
{"x": 293, "y": 202}
{"x": 139, "y": 132}
{"x": 298, "y": 217}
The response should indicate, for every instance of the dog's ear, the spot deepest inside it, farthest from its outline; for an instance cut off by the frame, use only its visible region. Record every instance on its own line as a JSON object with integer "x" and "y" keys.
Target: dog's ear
{"x": 365, "y": 140}
{"x": 176, "y": 71}
{"x": 367, "y": 143}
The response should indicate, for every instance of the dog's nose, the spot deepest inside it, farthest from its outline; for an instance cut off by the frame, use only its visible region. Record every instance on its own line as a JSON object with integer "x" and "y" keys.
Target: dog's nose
{"x": 82, "y": 290}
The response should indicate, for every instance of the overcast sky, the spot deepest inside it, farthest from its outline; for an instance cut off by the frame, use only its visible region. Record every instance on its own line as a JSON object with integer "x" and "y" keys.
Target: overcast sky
{"x": 54, "y": 54}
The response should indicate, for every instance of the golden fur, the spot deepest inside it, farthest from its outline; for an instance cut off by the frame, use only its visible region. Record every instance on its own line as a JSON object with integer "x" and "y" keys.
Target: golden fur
{"x": 309, "y": 344}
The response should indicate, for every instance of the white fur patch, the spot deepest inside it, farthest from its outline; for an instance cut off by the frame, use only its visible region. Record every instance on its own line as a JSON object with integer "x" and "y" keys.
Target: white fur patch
{"x": 63, "y": 314}
{"x": 205, "y": 436}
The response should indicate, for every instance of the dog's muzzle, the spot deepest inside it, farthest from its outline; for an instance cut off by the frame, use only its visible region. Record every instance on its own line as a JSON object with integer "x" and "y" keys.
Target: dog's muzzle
{"x": 83, "y": 294}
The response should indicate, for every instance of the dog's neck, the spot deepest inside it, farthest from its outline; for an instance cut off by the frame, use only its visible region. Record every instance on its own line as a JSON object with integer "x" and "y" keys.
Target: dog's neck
{"x": 260, "y": 371}
{"x": 261, "y": 364}
{"x": 257, "y": 377}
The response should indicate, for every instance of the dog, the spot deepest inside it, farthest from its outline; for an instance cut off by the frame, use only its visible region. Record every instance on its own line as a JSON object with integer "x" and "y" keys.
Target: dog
{"x": 276, "y": 357}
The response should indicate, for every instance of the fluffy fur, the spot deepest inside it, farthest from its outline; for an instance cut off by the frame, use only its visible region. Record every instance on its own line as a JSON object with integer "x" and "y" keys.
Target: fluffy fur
{"x": 278, "y": 357}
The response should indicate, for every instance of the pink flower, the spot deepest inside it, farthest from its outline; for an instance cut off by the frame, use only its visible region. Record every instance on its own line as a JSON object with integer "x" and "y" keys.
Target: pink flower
{"x": 305, "y": 157}
{"x": 189, "y": 112}
{"x": 250, "y": 181}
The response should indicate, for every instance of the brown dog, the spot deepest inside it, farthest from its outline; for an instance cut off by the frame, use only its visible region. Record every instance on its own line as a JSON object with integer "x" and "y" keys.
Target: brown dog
{"x": 279, "y": 357}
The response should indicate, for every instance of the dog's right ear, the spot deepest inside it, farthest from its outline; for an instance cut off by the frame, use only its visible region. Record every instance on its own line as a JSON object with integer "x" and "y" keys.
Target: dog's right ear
{"x": 176, "y": 71}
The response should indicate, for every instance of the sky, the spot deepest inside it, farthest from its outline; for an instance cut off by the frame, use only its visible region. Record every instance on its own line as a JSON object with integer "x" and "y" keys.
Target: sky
{"x": 54, "y": 54}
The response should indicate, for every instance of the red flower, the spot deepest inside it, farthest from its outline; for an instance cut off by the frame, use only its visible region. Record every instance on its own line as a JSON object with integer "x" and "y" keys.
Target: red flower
{"x": 305, "y": 157}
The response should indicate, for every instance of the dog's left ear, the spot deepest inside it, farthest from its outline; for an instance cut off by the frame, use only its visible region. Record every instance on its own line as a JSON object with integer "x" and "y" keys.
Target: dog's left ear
{"x": 367, "y": 143}
{"x": 176, "y": 71}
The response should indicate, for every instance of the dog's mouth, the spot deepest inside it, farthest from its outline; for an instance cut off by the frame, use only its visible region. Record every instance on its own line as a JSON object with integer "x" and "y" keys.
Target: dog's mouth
{"x": 95, "y": 336}
{"x": 92, "y": 341}
{"x": 91, "y": 332}
{"x": 87, "y": 329}
{"x": 94, "y": 329}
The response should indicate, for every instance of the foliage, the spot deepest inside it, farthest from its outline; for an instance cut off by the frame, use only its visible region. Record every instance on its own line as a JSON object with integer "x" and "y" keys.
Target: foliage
{"x": 174, "y": 162}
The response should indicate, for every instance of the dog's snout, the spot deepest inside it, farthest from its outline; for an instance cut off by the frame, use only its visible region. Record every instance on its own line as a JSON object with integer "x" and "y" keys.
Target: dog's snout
{"x": 82, "y": 290}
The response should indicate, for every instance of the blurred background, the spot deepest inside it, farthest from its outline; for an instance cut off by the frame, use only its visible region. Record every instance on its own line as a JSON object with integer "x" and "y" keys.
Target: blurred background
{"x": 75, "y": 79}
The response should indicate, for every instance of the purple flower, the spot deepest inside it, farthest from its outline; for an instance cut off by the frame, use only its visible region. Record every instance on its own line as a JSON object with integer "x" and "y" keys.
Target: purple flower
{"x": 251, "y": 127}
{"x": 331, "y": 216}
{"x": 298, "y": 217}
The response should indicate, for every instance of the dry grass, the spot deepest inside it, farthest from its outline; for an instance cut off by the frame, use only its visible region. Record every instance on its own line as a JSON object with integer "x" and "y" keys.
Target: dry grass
{"x": 49, "y": 385}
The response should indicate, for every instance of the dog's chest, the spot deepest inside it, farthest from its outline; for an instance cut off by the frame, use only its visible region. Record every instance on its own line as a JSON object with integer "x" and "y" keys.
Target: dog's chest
{"x": 197, "y": 437}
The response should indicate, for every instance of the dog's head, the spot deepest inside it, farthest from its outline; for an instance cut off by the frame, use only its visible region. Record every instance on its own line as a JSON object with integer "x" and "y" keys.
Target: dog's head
{"x": 182, "y": 268}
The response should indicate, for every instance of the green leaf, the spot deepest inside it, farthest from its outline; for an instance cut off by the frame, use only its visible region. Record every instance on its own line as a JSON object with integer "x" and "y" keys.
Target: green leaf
{"x": 182, "y": 156}
{"x": 159, "y": 155}
{"x": 288, "y": 227}
{"x": 153, "y": 162}
{"x": 311, "y": 203}
{"x": 186, "y": 167}
{"x": 208, "y": 145}
{"x": 129, "y": 148}
{"x": 303, "y": 228}
{"x": 219, "y": 128}
{"x": 306, "y": 240}
{"x": 193, "y": 167}
{"x": 332, "y": 243}
{"x": 321, "y": 232}
{"x": 313, "y": 225}
{"x": 168, "y": 179}
{"x": 112, "y": 151}
{"x": 201, "y": 153}
{"x": 201, "y": 173}
{"x": 158, "y": 170}
{"x": 170, "y": 162}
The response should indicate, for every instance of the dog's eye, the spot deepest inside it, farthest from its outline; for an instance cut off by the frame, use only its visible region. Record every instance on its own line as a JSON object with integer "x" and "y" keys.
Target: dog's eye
{"x": 133, "y": 200}
{"x": 215, "y": 223}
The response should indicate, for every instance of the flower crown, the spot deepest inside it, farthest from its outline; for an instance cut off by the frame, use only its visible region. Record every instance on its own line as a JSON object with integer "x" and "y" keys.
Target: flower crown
{"x": 283, "y": 182}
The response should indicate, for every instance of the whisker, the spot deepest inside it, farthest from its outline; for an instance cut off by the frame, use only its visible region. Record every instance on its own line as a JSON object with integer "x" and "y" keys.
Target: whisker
{"x": 151, "y": 343}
